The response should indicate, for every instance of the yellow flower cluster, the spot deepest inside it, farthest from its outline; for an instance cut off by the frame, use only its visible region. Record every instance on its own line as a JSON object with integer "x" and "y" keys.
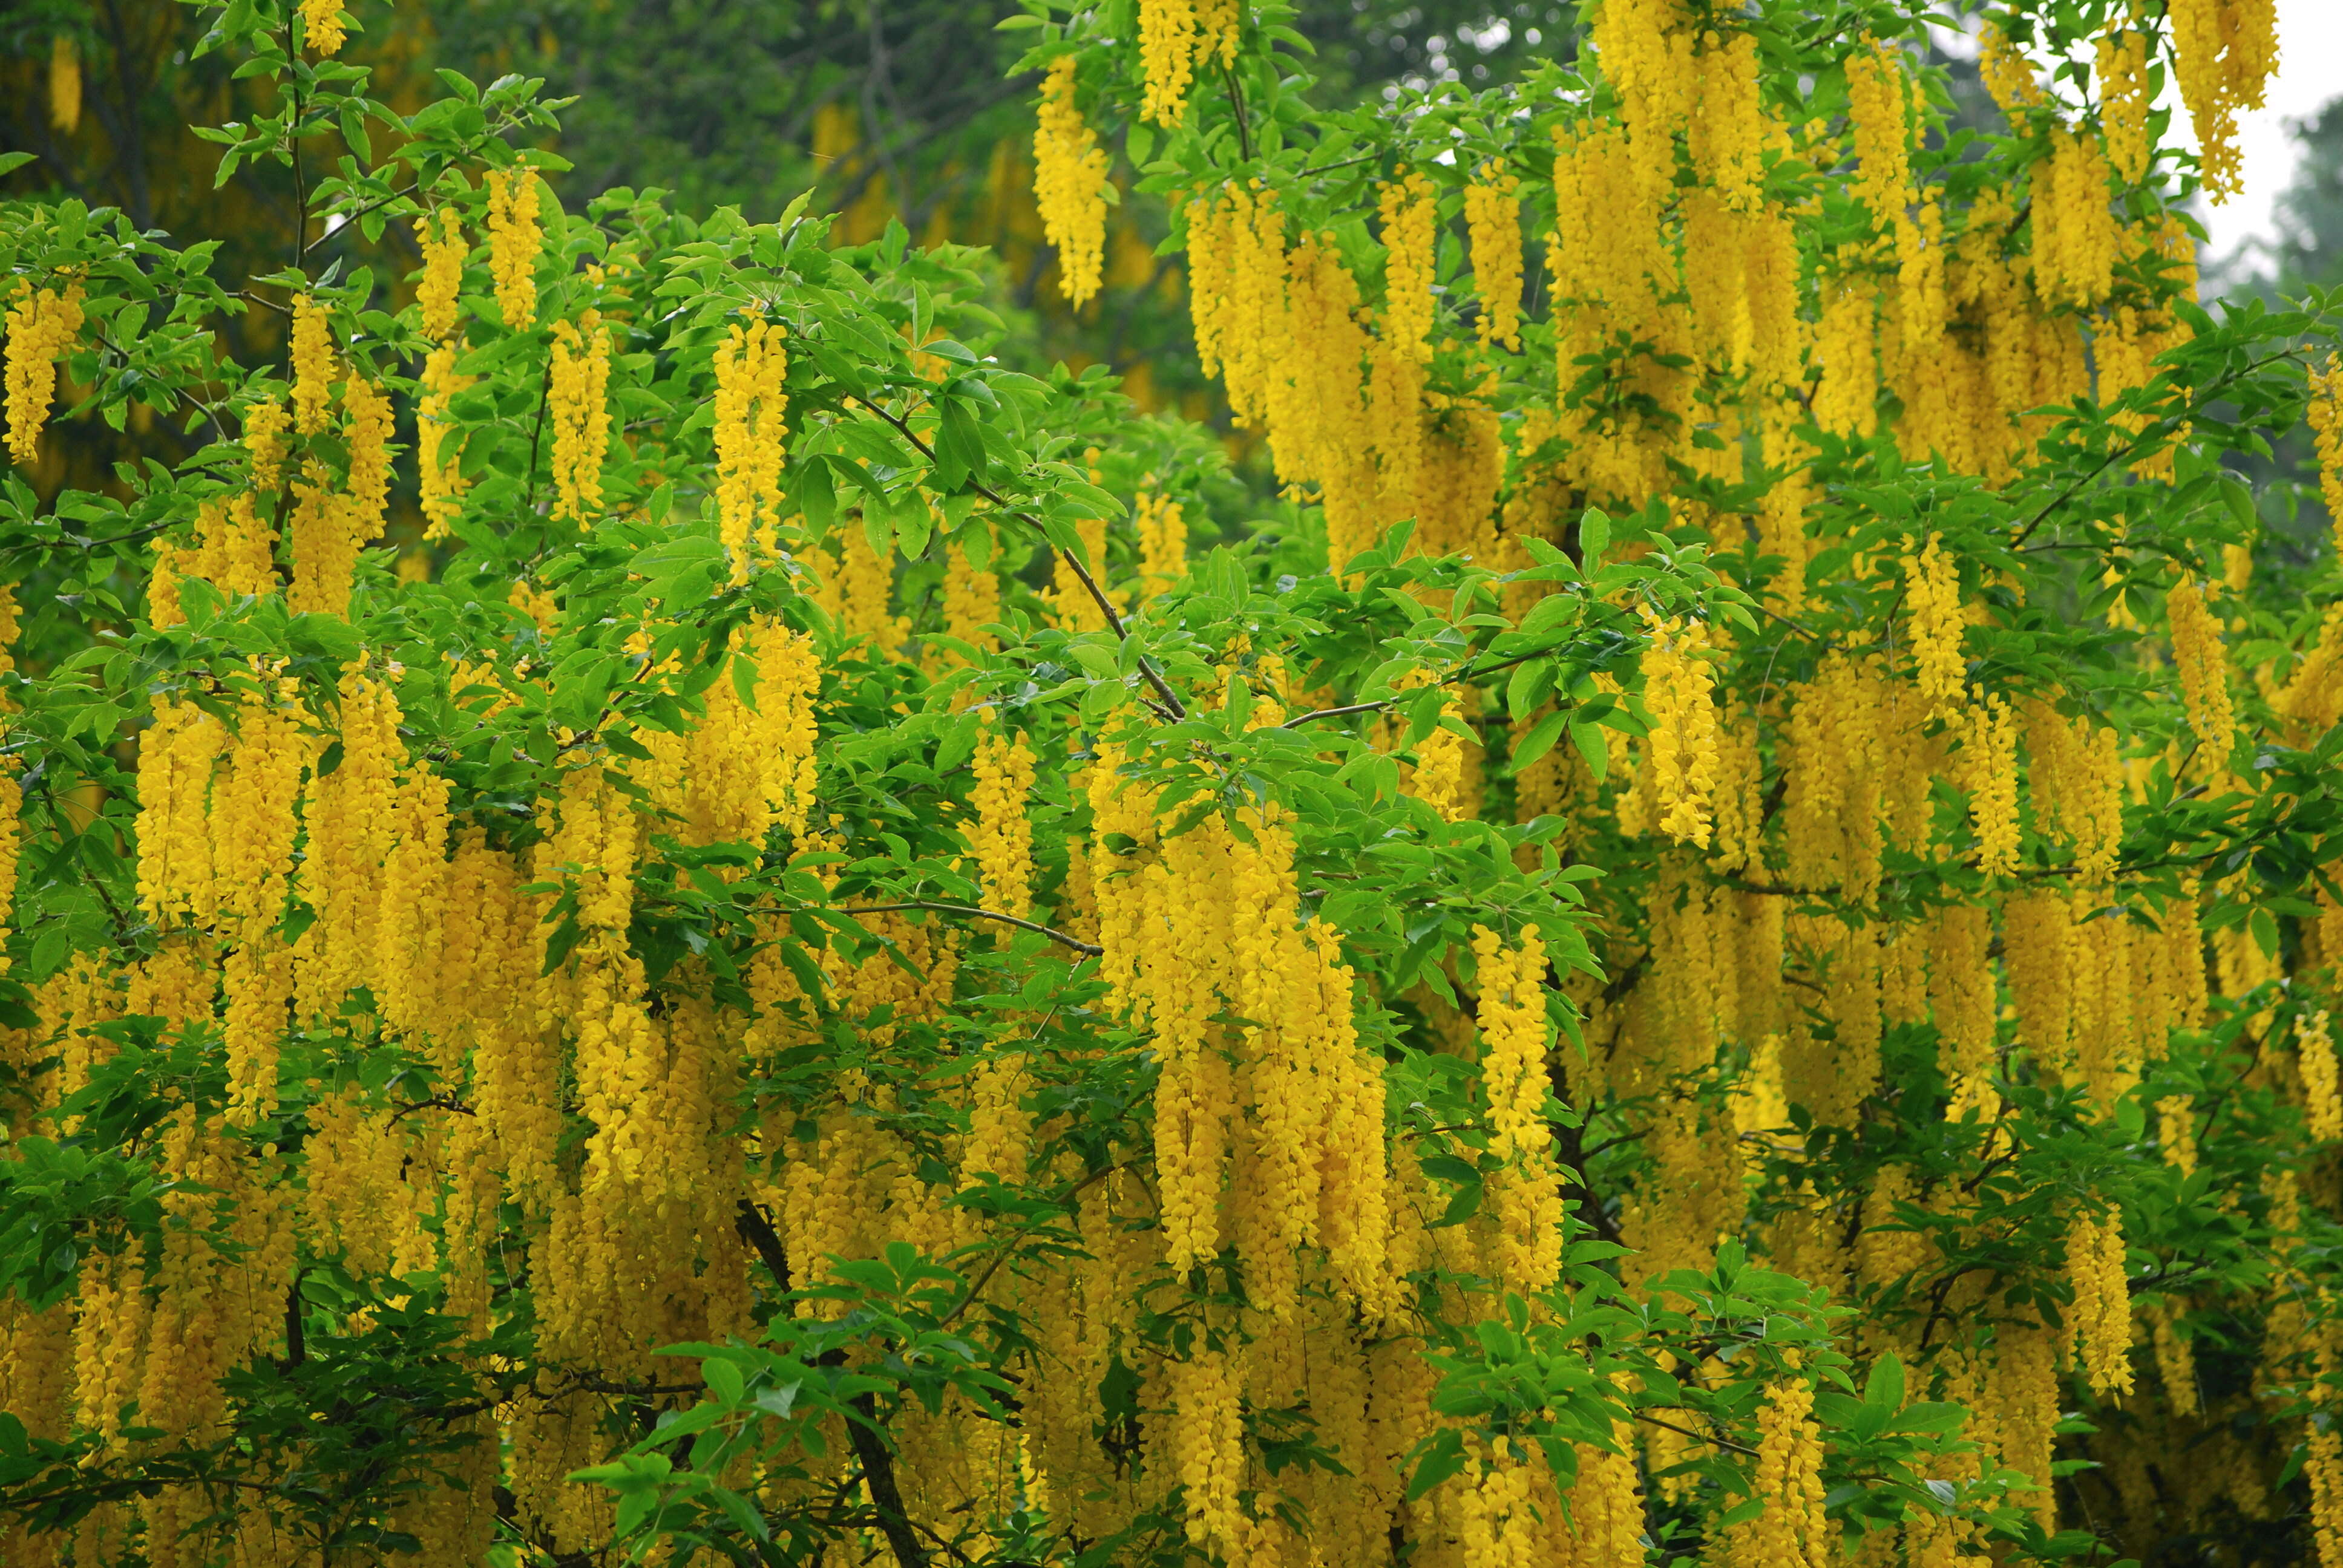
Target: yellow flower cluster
{"x": 1933, "y": 603}
{"x": 1208, "y": 1445}
{"x": 1284, "y": 1112}
{"x": 1523, "y": 1253}
{"x": 2125, "y": 101}
{"x": 368, "y": 434}
{"x": 2176, "y": 1132}
{"x": 578, "y": 407}
{"x": 265, "y": 423}
{"x": 2204, "y": 668}
{"x": 1439, "y": 777}
{"x": 2075, "y": 240}
{"x": 1990, "y": 746}
{"x": 1678, "y": 686}
{"x": 325, "y": 543}
{"x": 2094, "y": 1271}
{"x": 1167, "y": 51}
{"x": 1162, "y": 540}
{"x": 312, "y": 366}
{"x": 1877, "y": 90}
{"x": 2321, "y": 1098}
{"x": 1070, "y": 185}
{"x": 514, "y": 238}
{"x": 321, "y": 26}
{"x": 1001, "y": 837}
{"x": 971, "y": 603}
{"x": 752, "y": 367}
{"x": 2077, "y": 783}
{"x": 441, "y": 479}
{"x": 2326, "y": 416}
{"x": 1790, "y": 1530}
{"x": 1512, "y": 1040}
{"x": 1408, "y": 215}
{"x": 64, "y": 85}
{"x": 2007, "y": 75}
{"x": 2224, "y": 52}
{"x": 1236, "y": 258}
{"x": 2323, "y": 1466}
{"x": 1492, "y": 221}
{"x": 444, "y": 253}
{"x": 42, "y": 324}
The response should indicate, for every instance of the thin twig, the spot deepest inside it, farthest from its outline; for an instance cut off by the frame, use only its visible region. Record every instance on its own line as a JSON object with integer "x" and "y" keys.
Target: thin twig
{"x": 1695, "y": 1436}
{"x": 1377, "y": 705}
{"x": 1177, "y": 710}
{"x": 971, "y": 911}
{"x": 1237, "y": 105}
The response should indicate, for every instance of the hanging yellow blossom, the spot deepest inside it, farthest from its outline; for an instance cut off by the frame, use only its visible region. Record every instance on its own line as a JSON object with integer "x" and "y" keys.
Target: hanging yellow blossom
{"x": 2326, "y": 416}
{"x": 1791, "y": 1530}
{"x": 578, "y": 407}
{"x": 971, "y": 600}
{"x": 326, "y": 543}
{"x": 1933, "y": 599}
{"x": 42, "y": 324}
{"x": 368, "y": 434}
{"x": 1069, "y": 185}
{"x": 1162, "y": 540}
{"x": 1408, "y": 216}
{"x": 444, "y": 251}
{"x": 1492, "y": 218}
{"x": 1438, "y": 776}
{"x": 2323, "y": 1466}
{"x": 1512, "y": 1038}
{"x": 1678, "y": 683}
{"x": 312, "y": 366}
{"x": 64, "y": 85}
{"x": 2074, "y": 239}
{"x": 265, "y": 423}
{"x": 2204, "y": 668}
{"x": 2007, "y": 75}
{"x": 2320, "y": 1095}
{"x": 2124, "y": 101}
{"x": 514, "y": 238}
{"x": 2223, "y": 53}
{"x": 2176, "y": 1132}
{"x": 1990, "y": 746}
{"x": 2095, "y": 1270}
{"x": 1167, "y": 48}
{"x": 321, "y": 26}
{"x": 752, "y": 367}
{"x": 1002, "y": 834}
{"x": 441, "y": 480}
{"x": 1876, "y": 90}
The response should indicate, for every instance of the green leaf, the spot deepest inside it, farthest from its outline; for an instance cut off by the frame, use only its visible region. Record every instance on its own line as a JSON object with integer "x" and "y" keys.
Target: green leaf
{"x": 1593, "y": 538}
{"x": 812, "y": 490}
{"x": 1588, "y": 738}
{"x": 1442, "y": 1456}
{"x": 1885, "y": 1386}
{"x": 959, "y": 446}
{"x": 723, "y": 1379}
{"x": 1540, "y": 741}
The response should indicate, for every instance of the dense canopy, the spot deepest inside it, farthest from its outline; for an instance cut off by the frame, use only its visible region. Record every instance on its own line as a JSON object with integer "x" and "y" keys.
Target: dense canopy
{"x": 1610, "y": 837}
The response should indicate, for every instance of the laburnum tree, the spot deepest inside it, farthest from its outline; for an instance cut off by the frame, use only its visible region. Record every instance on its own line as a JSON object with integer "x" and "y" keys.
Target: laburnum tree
{"x": 1712, "y": 940}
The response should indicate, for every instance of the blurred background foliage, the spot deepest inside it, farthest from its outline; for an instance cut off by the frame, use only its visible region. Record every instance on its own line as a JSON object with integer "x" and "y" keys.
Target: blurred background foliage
{"x": 890, "y": 110}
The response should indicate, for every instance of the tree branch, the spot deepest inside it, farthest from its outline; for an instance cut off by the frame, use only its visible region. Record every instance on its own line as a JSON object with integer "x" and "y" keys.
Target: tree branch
{"x": 974, "y": 913}
{"x": 1177, "y": 710}
{"x": 756, "y": 1228}
{"x": 878, "y": 1474}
